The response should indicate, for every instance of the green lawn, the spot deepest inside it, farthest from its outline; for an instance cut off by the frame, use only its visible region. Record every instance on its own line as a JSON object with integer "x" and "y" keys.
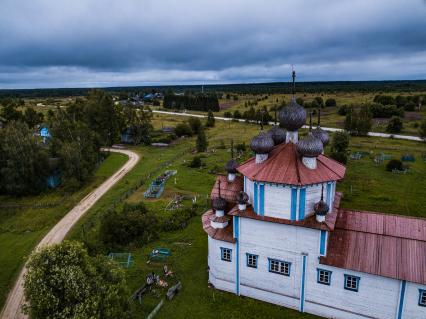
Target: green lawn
{"x": 366, "y": 186}
{"x": 21, "y": 229}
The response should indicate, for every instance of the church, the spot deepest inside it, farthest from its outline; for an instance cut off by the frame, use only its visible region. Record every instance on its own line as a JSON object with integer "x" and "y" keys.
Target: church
{"x": 276, "y": 233}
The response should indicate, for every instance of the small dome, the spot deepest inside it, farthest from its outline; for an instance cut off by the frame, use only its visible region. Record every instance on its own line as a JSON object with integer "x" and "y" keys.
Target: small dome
{"x": 277, "y": 134}
{"x": 321, "y": 208}
{"x": 242, "y": 198}
{"x": 219, "y": 203}
{"x": 231, "y": 166}
{"x": 310, "y": 146}
{"x": 292, "y": 117}
{"x": 262, "y": 143}
{"x": 322, "y": 135}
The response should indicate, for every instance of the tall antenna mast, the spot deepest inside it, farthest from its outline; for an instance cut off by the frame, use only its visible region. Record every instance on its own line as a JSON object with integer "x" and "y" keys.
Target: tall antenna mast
{"x": 293, "y": 75}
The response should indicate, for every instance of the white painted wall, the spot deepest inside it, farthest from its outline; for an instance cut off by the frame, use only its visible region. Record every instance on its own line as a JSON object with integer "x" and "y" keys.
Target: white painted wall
{"x": 277, "y": 201}
{"x": 377, "y": 296}
{"x": 249, "y": 189}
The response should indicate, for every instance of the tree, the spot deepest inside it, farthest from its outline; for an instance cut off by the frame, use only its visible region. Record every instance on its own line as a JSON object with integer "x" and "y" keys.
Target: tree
{"x": 32, "y": 118}
{"x": 133, "y": 224}
{"x": 201, "y": 141}
{"x": 319, "y": 101}
{"x": 183, "y": 129}
{"x": 195, "y": 124}
{"x": 394, "y": 125}
{"x": 358, "y": 122}
{"x": 339, "y": 146}
{"x": 23, "y": 160}
{"x": 330, "y": 102}
{"x": 9, "y": 112}
{"x": 102, "y": 116}
{"x": 422, "y": 130}
{"x": 138, "y": 122}
{"x": 63, "y": 281}
{"x": 210, "y": 119}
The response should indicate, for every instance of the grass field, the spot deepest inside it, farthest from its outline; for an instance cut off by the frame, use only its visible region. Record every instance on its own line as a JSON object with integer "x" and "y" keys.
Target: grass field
{"x": 22, "y": 228}
{"x": 366, "y": 187}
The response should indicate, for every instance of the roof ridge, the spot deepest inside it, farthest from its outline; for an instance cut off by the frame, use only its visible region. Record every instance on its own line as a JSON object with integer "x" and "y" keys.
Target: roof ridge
{"x": 329, "y": 158}
{"x": 378, "y": 234}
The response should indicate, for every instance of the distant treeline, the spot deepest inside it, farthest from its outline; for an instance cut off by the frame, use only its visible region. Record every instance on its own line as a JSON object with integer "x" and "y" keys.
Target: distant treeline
{"x": 192, "y": 102}
{"x": 255, "y": 88}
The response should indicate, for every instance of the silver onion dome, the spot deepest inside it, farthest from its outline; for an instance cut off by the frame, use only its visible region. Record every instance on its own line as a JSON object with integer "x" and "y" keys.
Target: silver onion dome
{"x": 242, "y": 197}
{"x": 310, "y": 146}
{"x": 322, "y": 135}
{"x": 292, "y": 117}
{"x": 321, "y": 208}
{"x": 262, "y": 143}
{"x": 219, "y": 203}
{"x": 277, "y": 134}
{"x": 231, "y": 166}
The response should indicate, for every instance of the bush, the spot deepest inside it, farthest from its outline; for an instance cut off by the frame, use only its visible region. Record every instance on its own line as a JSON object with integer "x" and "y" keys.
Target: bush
{"x": 394, "y": 164}
{"x": 227, "y": 114}
{"x": 201, "y": 142}
{"x": 394, "y": 125}
{"x": 210, "y": 119}
{"x": 134, "y": 224}
{"x": 241, "y": 147}
{"x": 179, "y": 219}
{"x": 330, "y": 102}
{"x": 196, "y": 162}
{"x": 339, "y": 147}
{"x": 410, "y": 106}
{"x": 378, "y": 110}
{"x": 343, "y": 110}
{"x": 319, "y": 102}
{"x": 237, "y": 114}
{"x": 358, "y": 122}
{"x": 63, "y": 281}
{"x": 183, "y": 129}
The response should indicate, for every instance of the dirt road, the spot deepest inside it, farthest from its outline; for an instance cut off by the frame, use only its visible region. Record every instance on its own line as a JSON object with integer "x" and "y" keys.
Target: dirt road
{"x": 12, "y": 307}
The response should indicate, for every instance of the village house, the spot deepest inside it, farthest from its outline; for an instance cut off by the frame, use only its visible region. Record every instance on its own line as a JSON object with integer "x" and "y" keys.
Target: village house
{"x": 276, "y": 233}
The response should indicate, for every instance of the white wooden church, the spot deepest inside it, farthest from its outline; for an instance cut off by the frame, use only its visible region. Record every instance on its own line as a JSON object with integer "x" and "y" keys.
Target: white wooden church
{"x": 276, "y": 233}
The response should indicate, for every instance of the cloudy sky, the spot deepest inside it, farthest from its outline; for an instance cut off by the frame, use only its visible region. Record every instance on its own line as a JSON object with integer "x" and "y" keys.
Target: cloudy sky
{"x": 91, "y": 43}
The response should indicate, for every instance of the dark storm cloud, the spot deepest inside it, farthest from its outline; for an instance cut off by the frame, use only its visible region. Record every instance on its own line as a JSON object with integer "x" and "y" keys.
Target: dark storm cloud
{"x": 130, "y": 42}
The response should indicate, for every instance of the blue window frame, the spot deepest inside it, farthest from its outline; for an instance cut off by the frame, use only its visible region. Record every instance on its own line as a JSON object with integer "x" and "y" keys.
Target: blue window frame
{"x": 422, "y": 297}
{"x": 251, "y": 260}
{"x": 352, "y": 282}
{"x": 323, "y": 276}
{"x": 226, "y": 254}
{"x": 279, "y": 267}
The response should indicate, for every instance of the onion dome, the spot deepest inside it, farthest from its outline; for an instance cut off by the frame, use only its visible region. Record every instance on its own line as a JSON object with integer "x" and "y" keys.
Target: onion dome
{"x": 277, "y": 134}
{"x": 262, "y": 143}
{"x": 322, "y": 135}
{"x": 319, "y": 133}
{"x": 292, "y": 117}
{"x": 219, "y": 203}
{"x": 310, "y": 146}
{"x": 231, "y": 166}
{"x": 321, "y": 208}
{"x": 242, "y": 198}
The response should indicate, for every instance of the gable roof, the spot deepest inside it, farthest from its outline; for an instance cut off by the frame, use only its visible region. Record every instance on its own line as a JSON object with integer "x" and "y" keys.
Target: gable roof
{"x": 284, "y": 166}
{"x": 385, "y": 245}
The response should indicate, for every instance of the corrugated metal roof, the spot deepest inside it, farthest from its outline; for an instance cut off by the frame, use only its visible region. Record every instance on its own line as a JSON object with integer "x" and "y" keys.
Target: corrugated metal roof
{"x": 228, "y": 190}
{"x": 284, "y": 166}
{"x": 385, "y": 245}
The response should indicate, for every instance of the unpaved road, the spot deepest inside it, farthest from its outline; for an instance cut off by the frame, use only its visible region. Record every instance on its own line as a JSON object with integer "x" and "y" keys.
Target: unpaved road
{"x": 12, "y": 307}
{"x": 330, "y": 129}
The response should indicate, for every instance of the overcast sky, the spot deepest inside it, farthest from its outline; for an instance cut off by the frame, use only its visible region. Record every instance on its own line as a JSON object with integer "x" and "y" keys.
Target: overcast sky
{"x": 91, "y": 43}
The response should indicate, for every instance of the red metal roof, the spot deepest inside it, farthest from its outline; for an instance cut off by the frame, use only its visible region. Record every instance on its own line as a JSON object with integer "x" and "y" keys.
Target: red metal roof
{"x": 385, "y": 245}
{"x": 224, "y": 234}
{"x": 284, "y": 166}
{"x": 309, "y": 222}
{"x": 228, "y": 190}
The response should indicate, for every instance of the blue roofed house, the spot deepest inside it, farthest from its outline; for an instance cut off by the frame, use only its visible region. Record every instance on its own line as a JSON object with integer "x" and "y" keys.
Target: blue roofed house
{"x": 45, "y": 134}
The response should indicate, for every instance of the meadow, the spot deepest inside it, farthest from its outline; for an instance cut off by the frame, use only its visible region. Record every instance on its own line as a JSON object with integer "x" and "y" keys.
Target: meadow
{"x": 367, "y": 186}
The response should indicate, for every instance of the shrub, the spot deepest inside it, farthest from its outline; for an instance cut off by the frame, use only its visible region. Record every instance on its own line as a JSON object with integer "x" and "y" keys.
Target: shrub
{"x": 358, "y": 122}
{"x": 339, "y": 146}
{"x": 318, "y": 101}
{"x": 378, "y": 110}
{"x": 210, "y": 119}
{"x": 183, "y": 129}
{"x": 237, "y": 114}
{"x": 201, "y": 142}
{"x": 133, "y": 224}
{"x": 330, "y": 102}
{"x": 410, "y": 106}
{"x": 227, "y": 114}
{"x": 179, "y": 219}
{"x": 394, "y": 164}
{"x": 394, "y": 125}
{"x": 196, "y": 162}
{"x": 241, "y": 147}
{"x": 343, "y": 110}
